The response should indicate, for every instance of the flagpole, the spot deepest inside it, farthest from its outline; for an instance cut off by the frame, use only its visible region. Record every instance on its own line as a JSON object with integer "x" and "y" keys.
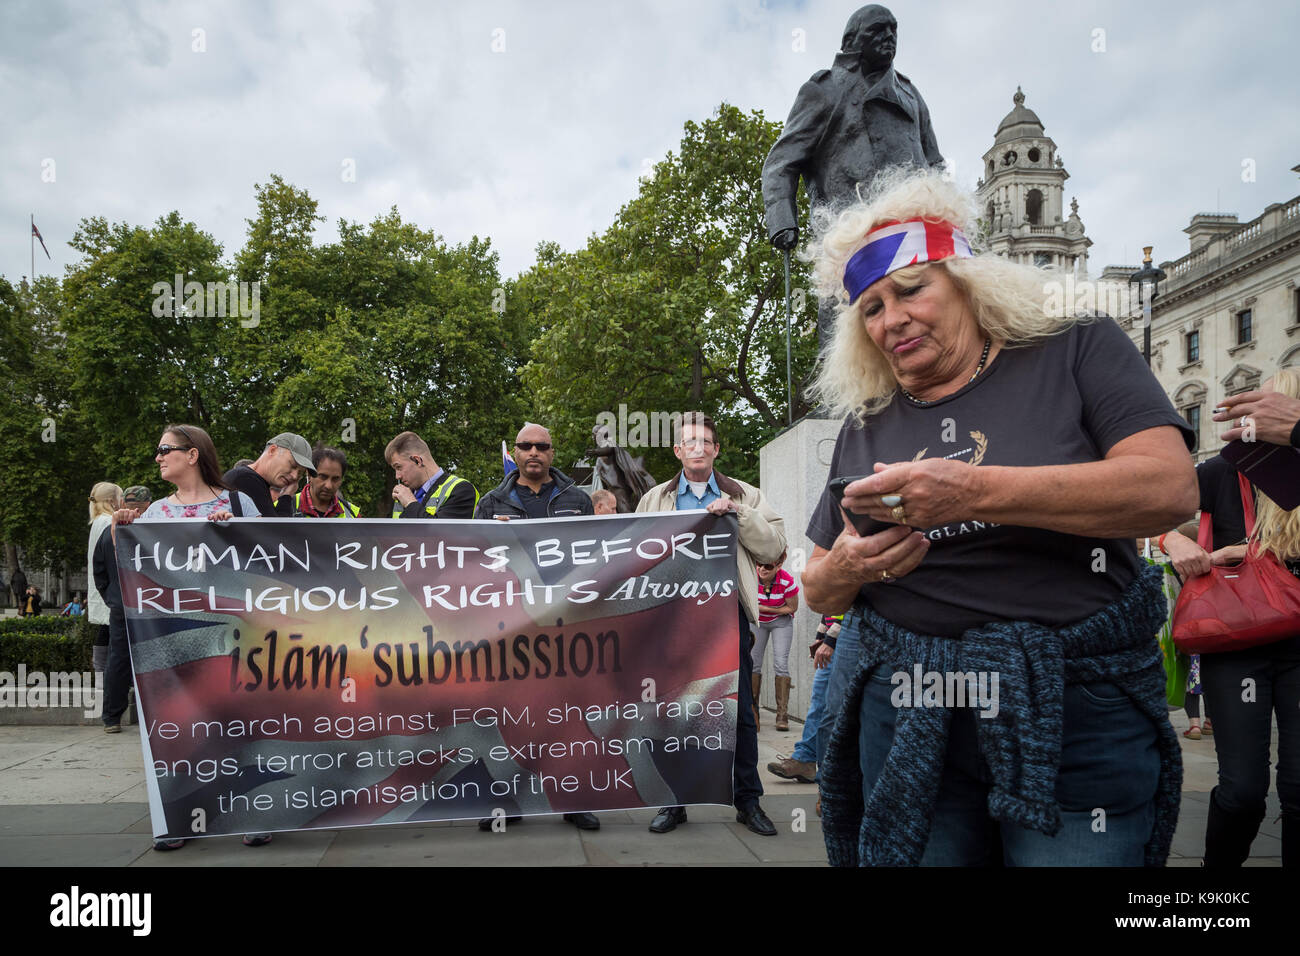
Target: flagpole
{"x": 31, "y": 245}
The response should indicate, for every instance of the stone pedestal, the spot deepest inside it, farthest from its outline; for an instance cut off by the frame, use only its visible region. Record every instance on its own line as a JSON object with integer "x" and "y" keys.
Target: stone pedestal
{"x": 793, "y": 473}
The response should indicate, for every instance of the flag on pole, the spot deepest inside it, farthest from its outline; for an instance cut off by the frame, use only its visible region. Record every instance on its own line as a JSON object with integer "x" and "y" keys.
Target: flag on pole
{"x": 37, "y": 233}
{"x": 507, "y": 463}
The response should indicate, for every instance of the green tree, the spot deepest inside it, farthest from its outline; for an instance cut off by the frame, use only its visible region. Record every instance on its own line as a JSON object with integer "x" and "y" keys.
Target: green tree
{"x": 46, "y": 467}
{"x": 139, "y": 358}
{"x": 679, "y": 304}
{"x": 415, "y": 339}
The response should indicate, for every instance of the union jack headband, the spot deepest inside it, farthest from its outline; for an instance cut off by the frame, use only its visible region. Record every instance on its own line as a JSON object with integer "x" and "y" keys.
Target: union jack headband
{"x": 897, "y": 245}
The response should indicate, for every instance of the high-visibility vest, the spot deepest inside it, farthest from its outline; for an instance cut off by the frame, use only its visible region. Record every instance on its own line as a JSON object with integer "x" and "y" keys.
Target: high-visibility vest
{"x": 436, "y": 498}
{"x": 349, "y": 510}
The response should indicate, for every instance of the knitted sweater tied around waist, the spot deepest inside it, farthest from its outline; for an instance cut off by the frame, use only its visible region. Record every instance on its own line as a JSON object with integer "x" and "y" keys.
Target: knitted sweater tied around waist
{"x": 1021, "y": 744}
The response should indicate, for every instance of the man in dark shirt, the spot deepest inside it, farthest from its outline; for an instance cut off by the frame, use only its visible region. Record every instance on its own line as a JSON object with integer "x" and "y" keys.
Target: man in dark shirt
{"x": 282, "y": 461}
{"x": 423, "y": 489}
{"x": 536, "y": 490}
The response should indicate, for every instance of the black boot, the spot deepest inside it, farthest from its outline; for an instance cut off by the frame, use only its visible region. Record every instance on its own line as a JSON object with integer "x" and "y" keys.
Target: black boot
{"x": 1228, "y": 836}
{"x": 1291, "y": 839}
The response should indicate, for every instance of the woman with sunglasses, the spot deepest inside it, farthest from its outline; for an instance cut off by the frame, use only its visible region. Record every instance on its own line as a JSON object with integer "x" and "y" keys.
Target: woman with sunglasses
{"x": 778, "y": 599}
{"x": 187, "y": 459}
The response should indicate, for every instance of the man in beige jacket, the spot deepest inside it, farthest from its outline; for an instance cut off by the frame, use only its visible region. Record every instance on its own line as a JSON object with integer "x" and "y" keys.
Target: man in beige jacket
{"x": 761, "y": 538}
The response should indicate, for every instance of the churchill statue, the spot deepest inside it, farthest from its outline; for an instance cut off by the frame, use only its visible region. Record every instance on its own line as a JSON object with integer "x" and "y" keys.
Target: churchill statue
{"x": 847, "y": 124}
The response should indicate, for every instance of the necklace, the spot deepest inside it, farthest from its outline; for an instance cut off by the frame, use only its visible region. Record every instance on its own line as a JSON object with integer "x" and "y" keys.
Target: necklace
{"x": 181, "y": 501}
{"x": 984, "y": 357}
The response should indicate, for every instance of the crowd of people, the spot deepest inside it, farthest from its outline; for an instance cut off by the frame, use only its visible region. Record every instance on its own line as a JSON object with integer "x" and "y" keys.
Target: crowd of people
{"x": 995, "y": 467}
{"x": 534, "y": 489}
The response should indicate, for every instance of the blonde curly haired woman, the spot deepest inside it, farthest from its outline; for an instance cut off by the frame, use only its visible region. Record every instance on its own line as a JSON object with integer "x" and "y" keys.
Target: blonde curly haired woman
{"x": 1000, "y": 458}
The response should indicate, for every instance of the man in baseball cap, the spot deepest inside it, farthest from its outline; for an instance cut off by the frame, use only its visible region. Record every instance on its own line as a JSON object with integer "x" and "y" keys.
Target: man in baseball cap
{"x": 283, "y": 460}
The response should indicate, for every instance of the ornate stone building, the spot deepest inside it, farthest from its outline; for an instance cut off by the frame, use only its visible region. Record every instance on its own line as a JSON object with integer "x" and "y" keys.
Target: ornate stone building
{"x": 1022, "y": 194}
{"x": 1228, "y": 312}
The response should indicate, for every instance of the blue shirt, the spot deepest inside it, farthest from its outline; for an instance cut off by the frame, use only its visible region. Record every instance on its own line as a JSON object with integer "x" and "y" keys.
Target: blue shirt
{"x": 424, "y": 488}
{"x": 686, "y": 499}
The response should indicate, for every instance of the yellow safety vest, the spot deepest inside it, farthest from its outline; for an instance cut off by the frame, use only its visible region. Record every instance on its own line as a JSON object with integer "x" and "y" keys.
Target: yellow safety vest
{"x": 349, "y": 510}
{"x": 436, "y": 498}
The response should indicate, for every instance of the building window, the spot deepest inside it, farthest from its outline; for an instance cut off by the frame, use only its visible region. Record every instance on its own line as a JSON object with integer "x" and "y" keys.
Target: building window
{"x": 1034, "y": 155}
{"x": 1042, "y": 259}
{"x": 1243, "y": 327}
{"x": 1193, "y": 347}
{"x": 1034, "y": 207}
{"x": 1193, "y": 416}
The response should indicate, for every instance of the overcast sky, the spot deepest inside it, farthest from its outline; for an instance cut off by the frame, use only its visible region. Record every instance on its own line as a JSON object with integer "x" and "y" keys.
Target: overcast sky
{"x": 543, "y": 137}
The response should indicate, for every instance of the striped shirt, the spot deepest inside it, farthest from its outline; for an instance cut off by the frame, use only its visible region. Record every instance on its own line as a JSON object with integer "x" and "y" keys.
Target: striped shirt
{"x": 774, "y": 595}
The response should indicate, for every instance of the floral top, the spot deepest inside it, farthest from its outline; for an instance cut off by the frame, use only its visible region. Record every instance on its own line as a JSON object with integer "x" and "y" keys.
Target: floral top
{"x": 165, "y": 509}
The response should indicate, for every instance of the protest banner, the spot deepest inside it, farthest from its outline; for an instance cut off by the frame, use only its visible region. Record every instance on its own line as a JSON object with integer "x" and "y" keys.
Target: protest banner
{"x": 298, "y": 674}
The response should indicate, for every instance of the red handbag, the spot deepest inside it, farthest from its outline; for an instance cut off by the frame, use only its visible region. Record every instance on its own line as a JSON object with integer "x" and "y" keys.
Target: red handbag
{"x": 1239, "y": 606}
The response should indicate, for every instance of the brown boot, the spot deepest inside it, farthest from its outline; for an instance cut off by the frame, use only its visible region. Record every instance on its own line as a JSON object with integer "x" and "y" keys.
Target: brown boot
{"x": 756, "y": 682}
{"x": 782, "y": 703}
{"x": 790, "y": 769}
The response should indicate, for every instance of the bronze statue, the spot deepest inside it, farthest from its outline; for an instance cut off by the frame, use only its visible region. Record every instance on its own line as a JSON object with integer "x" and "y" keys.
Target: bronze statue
{"x": 847, "y": 124}
{"x": 618, "y": 471}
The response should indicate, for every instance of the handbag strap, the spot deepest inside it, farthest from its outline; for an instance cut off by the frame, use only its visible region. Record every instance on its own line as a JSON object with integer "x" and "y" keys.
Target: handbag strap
{"x": 1247, "y": 503}
{"x": 1205, "y": 533}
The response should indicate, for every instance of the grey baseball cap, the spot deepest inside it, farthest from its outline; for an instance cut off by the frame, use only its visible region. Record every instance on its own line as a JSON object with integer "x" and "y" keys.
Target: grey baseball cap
{"x": 298, "y": 447}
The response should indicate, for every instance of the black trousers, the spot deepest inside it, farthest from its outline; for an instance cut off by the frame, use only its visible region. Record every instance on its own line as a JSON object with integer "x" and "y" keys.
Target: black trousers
{"x": 117, "y": 677}
{"x": 1268, "y": 677}
{"x": 746, "y": 785}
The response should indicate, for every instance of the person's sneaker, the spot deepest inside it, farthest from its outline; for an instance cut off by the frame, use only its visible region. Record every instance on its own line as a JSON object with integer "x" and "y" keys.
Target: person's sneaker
{"x": 790, "y": 769}
{"x": 163, "y": 845}
{"x": 257, "y": 839}
{"x": 112, "y": 728}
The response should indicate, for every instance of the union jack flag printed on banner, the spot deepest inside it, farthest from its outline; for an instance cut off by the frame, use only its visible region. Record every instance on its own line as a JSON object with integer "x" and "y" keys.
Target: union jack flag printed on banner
{"x": 897, "y": 245}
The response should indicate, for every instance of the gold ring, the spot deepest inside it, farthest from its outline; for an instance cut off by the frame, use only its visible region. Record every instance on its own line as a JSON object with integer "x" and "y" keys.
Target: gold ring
{"x": 899, "y": 514}
{"x": 887, "y": 578}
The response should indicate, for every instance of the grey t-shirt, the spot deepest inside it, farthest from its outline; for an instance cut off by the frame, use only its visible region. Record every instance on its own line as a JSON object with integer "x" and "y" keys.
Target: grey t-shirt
{"x": 1067, "y": 400}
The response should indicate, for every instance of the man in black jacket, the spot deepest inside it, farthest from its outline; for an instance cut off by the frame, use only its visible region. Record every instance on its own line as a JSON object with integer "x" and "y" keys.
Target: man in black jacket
{"x": 536, "y": 490}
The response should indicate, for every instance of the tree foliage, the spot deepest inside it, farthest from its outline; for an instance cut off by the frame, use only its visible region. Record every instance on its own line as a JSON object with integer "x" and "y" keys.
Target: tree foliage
{"x": 679, "y": 305}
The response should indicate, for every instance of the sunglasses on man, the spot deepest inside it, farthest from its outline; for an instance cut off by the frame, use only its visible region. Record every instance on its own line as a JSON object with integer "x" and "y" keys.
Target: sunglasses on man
{"x": 530, "y": 445}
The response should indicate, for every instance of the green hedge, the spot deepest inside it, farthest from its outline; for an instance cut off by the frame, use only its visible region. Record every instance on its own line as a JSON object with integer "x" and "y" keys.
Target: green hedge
{"x": 46, "y": 643}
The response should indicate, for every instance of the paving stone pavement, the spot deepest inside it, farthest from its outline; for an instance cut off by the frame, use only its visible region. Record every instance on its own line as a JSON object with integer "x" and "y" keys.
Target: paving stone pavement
{"x": 74, "y": 796}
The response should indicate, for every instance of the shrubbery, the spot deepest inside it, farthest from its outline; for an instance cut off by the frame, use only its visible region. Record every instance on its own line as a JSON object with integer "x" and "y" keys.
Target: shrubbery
{"x": 46, "y": 643}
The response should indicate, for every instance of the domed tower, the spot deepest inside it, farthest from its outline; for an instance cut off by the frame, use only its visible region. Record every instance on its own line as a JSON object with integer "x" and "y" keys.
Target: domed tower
{"x": 1021, "y": 196}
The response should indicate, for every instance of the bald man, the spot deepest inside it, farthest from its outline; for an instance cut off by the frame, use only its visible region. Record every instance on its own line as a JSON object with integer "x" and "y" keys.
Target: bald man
{"x": 536, "y": 490}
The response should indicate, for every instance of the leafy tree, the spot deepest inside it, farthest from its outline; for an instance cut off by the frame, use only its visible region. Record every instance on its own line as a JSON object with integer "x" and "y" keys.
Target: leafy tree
{"x": 138, "y": 357}
{"x": 679, "y": 304}
{"x": 46, "y": 468}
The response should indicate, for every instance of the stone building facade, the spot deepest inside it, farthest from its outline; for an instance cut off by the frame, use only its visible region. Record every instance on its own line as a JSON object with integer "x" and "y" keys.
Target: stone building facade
{"x": 1022, "y": 196}
{"x": 1227, "y": 313}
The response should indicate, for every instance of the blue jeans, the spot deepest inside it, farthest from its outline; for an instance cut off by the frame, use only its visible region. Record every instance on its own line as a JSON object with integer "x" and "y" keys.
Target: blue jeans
{"x": 1106, "y": 784}
{"x": 844, "y": 664}
{"x": 809, "y": 749}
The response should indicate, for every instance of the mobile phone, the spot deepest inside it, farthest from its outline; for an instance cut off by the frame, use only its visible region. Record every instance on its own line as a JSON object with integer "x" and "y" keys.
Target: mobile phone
{"x": 862, "y": 523}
